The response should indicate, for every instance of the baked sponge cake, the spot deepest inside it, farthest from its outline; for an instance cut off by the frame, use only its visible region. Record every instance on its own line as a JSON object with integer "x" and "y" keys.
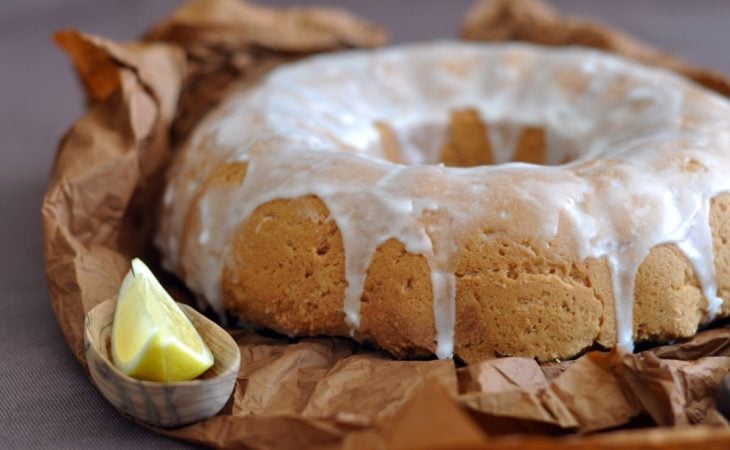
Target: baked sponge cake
{"x": 460, "y": 199}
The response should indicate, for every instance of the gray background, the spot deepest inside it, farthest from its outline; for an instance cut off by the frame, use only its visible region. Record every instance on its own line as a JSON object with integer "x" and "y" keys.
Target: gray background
{"x": 45, "y": 398}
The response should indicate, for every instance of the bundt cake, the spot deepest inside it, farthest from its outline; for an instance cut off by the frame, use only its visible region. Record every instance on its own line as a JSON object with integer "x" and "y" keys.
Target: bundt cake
{"x": 463, "y": 199}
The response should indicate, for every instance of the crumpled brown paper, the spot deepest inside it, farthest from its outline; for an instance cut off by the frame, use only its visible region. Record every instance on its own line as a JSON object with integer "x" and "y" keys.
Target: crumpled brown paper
{"x": 226, "y": 40}
{"x": 332, "y": 393}
{"x": 533, "y": 21}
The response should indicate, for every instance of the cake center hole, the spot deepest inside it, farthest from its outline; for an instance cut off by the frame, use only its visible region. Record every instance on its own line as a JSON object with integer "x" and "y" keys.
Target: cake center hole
{"x": 465, "y": 140}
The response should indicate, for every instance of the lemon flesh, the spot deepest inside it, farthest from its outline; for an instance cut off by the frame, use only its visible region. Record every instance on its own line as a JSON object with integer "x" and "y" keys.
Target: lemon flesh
{"x": 152, "y": 339}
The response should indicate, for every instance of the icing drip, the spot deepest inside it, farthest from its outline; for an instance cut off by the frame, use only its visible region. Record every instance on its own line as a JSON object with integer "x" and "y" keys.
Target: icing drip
{"x": 695, "y": 247}
{"x": 623, "y": 277}
{"x": 646, "y": 150}
{"x": 504, "y": 141}
{"x": 444, "y": 310}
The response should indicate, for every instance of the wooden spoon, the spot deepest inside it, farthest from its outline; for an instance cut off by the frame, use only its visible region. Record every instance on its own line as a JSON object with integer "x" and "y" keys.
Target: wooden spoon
{"x": 162, "y": 404}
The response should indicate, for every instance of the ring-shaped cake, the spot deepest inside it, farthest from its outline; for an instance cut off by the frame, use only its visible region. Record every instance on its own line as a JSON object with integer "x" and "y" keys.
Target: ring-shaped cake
{"x": 459, "y": 198}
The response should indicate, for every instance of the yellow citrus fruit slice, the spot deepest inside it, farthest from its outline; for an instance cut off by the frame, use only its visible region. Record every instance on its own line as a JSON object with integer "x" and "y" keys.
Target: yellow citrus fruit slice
{"x": 152, "y": 339}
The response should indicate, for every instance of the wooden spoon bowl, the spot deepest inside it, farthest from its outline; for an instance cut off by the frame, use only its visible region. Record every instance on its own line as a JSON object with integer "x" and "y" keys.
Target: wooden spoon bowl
{"x": 162, "y": 404}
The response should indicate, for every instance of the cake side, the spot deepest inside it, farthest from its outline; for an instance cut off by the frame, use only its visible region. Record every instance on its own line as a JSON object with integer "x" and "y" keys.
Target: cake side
{"x": 513, "y": 298}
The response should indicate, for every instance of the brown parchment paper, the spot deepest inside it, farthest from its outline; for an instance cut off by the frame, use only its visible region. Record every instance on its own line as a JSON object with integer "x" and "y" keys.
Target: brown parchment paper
{"x": 144, "y": 97}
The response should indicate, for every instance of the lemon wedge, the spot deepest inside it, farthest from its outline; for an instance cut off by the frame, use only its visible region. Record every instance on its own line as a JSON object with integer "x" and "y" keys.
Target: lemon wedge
{"x": 152, "y": 339}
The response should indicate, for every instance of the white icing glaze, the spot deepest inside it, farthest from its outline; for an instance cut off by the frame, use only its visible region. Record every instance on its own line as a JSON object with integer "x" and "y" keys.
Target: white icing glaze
{"x": 648, "y": 149}
{"x": 695, "y": 246}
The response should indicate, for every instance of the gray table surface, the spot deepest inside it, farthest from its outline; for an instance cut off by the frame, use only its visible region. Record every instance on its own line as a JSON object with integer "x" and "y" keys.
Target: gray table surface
{"x": 45, "y": 398}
